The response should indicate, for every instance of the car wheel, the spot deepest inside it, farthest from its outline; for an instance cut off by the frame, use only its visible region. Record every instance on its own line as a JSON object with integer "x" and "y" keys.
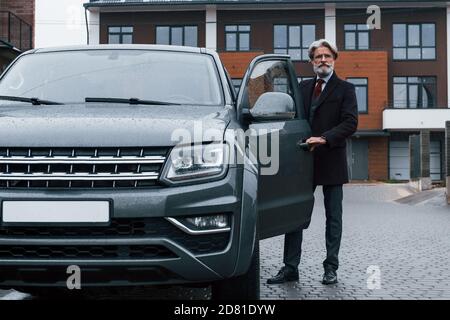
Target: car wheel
{"x": 244, "y": 287}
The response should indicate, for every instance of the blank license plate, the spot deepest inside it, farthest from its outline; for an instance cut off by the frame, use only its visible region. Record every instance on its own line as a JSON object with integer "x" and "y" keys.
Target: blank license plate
{"x": 55, "y": 211}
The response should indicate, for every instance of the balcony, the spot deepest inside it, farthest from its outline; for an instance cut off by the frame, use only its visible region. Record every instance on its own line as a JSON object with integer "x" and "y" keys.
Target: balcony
{"x": 432, "y": 118}
{"x": 14, "y": 32}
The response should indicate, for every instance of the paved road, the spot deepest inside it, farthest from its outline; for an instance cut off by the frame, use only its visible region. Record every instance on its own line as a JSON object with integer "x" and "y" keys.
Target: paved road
{"x": 406, "y": 243}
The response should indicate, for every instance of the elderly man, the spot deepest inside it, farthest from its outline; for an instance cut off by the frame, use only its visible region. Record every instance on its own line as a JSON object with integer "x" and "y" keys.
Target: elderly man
{"x": 331, "y": 109}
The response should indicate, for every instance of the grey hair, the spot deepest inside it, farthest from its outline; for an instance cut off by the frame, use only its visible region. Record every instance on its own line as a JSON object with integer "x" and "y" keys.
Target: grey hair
{"x": 322, "y": 43}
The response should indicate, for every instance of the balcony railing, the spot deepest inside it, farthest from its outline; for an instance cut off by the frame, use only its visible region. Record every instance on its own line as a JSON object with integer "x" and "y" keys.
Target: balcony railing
{"x": 15, "y": 31}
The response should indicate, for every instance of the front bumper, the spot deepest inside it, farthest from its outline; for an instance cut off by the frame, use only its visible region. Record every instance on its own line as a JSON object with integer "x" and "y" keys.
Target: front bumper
{"x": 158, "y": 257}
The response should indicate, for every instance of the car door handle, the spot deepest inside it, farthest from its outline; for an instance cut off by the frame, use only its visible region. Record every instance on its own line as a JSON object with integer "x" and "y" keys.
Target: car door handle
{"x": 305, "y": 146}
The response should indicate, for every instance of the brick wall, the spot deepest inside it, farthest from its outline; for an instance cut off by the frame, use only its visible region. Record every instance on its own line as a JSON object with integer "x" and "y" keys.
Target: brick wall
{"x": 374, "y": 66}
{"x": 144, "y": 23}
{"x": 378, "y": 158}
{"x": 370, "y": 64}
{"x": 382, "y": 39}
{"x": 261, "y": 23}
{"x": 24, "y": 9}
{"x": 237, "y": 63}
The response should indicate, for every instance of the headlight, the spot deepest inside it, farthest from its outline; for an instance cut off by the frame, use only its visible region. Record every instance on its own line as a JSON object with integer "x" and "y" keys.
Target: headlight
{"x": 196, "y": 163}
{"x": 218, "y": 221}
{"x": 203, "y": 224}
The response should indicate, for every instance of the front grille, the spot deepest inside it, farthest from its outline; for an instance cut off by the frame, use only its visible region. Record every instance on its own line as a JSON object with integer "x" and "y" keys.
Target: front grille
{"x": 139, "y": 227}
{"x": 85, "y": 252}
{"x": 80, "y": 167}
{"x": 91, "y": 275}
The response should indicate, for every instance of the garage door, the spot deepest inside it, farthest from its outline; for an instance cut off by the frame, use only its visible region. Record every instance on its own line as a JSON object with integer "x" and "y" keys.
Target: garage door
{"x": 399, "y": 160}
{"x": 435, "y": 160}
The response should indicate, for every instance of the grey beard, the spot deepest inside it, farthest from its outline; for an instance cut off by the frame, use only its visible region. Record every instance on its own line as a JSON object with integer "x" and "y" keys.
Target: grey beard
{"x": 321, "y": 72}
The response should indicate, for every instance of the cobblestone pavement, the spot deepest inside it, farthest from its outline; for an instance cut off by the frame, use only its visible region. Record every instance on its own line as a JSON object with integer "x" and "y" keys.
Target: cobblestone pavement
{"x": 407, "y": 241}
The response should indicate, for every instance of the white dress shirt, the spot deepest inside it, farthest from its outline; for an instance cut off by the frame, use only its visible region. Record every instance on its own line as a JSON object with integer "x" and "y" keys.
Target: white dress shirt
{"x": 325, "y": 80}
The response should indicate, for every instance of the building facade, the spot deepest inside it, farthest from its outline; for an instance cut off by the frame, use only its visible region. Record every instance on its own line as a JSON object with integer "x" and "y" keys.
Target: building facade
{"x": 400, "y": 69}
{"x": 16, "y": 29}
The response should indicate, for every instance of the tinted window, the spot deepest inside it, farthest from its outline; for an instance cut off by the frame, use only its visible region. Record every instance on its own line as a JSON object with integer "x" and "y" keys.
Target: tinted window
{"x": 414, "y": 92}
{"x": 356, "y": 37}
{"x": 293, "y": 40}
{"x": 177, "y": 35}
{"x": 237, "y": 37}
{"x": 361, "y": 93}
{"x": 414, "y": 41}
{"x": 122, "y": 34}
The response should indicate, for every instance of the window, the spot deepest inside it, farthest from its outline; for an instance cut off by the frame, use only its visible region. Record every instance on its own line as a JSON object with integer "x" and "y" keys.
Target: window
{"x": 267, "y": 76}
{"x": 414, "y": 92}
{"x": 176, "y": 77}
{"x": 177, "y": 35}
{"x": 237, "y": 38}
{"x": 414, "y": 41}
{"x": 236, "y": 84}
{"x": 293, "y": 40}
{"x": 119, "y": 35}
{"x": 356, "y": 36}
{"x": 361, "y": 88}
{"x": 281, "y": 85}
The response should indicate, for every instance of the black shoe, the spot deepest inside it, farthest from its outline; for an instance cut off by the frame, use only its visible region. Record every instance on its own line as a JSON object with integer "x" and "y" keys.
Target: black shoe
{"x": 329, "y": 277}
{"x": 284, "y": 275}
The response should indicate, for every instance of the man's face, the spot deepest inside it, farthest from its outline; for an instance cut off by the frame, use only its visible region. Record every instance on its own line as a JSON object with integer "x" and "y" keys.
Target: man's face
{"x": 323, "y": 61}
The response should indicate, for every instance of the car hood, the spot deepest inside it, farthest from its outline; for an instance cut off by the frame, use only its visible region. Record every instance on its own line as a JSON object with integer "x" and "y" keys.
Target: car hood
{"x": 106, "y": 124}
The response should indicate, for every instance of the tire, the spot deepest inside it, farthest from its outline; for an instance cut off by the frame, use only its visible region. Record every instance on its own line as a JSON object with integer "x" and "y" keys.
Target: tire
{"x": 244, "y": 287}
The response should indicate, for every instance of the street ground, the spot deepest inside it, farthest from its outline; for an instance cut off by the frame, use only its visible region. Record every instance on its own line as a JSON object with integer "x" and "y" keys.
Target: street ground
{"x": 390, "y": 249}
{"x": 395, "y": 245}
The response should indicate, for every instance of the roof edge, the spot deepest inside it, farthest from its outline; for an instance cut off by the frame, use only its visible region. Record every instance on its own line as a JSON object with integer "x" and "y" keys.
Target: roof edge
{"x": 236, "y": 2}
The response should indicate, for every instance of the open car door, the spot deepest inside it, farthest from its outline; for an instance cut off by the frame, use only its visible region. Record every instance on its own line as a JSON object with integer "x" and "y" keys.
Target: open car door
{"x": 270, "y": 106}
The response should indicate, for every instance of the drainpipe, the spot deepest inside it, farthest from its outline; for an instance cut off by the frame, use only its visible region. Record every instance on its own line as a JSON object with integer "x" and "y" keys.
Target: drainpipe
{"x": 87, "y": 26}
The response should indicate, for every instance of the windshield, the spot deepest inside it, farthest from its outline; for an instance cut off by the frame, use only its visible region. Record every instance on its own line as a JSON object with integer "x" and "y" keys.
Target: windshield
{"x": 71, "y": 76}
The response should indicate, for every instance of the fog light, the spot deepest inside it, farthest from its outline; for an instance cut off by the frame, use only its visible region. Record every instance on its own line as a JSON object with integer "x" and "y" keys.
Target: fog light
{"x": 218, "y": 221}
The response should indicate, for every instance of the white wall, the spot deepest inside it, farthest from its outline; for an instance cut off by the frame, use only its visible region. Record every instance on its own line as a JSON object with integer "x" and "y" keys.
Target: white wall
{"x": 330, "y": 22}
{"x": 211, "y": 27}
{"x": 62, "y": 22}
{"x": 415, "y": 119}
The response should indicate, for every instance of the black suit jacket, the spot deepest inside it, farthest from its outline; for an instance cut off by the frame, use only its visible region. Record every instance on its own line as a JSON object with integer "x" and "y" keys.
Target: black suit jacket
{"x": 334, "y": 117}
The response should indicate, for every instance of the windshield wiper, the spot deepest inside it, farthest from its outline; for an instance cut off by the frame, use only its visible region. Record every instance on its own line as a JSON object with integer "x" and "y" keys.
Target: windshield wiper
{"x": 130, "y": 101}
{"x": 34, "y": 101}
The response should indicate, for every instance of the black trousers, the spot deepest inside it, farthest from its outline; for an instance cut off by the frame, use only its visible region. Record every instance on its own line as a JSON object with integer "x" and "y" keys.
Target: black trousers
{"x": 333, "y": 196}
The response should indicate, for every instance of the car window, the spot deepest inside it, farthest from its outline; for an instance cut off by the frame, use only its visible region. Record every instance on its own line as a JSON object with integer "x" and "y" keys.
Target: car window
{"x": 267, "y": 76}
{"x": 71, "y": 76}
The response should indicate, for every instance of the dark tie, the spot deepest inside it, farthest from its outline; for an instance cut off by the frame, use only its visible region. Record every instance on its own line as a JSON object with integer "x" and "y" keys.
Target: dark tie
{"x": 318, "y": 88}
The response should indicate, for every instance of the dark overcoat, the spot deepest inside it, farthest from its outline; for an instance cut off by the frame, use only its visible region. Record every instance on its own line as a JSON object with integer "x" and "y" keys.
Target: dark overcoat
{"x": 334, "y": 115}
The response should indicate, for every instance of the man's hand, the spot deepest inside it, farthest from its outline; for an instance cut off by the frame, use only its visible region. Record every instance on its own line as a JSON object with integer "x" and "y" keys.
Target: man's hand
{"x": 315, "y": 141}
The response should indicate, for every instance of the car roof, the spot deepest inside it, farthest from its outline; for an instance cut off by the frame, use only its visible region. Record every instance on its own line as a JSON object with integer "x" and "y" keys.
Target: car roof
{"x": 124, "y": 47}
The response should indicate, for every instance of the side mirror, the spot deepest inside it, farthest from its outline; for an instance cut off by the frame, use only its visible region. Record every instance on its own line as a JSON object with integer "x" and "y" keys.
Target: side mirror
{"x": 273, "y": 106}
